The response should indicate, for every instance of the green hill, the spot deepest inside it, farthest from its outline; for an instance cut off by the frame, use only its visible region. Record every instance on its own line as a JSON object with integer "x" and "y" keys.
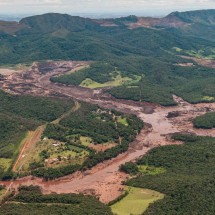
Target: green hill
{"x": 61, "y": 36}
{"x": 198, "y": 16}
{"x": 152, "y": 53}
{"x": 53, "y": 22}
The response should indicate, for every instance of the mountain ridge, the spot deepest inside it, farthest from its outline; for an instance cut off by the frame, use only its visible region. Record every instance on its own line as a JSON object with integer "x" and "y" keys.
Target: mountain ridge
{"x": 55, "y": 21}
{"x": 61, "y": 36}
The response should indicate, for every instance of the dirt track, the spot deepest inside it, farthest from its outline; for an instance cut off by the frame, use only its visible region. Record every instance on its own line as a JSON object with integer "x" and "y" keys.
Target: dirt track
{"x": 32, "y": 138}
{"x": 105, "y": 180}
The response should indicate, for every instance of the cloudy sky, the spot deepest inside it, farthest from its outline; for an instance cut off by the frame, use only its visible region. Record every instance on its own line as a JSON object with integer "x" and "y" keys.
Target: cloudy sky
{"x": 144, "y": 7}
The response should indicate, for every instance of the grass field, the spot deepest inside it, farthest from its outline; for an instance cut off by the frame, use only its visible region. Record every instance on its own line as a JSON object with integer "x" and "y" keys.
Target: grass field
{"x": 150, "y": 170}
{"x": 71, "y": 154}
{"x": 27, "y": 147}
{"x": 198, "y": 54}
{"x": 136, "y": 202}
{"x": 117, "y": 81}
{"x": 6, "y": 163}
{"x": 2, "y": 192}
{"x": 122, "y": 120}
{"x": 208, "y": 98}
{"x": 85, "y": 141}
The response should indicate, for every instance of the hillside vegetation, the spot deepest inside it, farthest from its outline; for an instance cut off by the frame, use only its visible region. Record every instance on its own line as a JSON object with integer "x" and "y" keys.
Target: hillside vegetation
{"x": 20, "y": 114}
{"x": 150, "y": 80}
{"x": 80, "y": 132}
{"x": 123, "y": 55}
{"x": 206, "y": 121}
{"x": 30, "y": 201}
{"x": 188, "y": 182}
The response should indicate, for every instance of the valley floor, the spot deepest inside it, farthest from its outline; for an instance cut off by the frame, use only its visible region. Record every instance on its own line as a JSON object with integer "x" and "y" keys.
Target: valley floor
{"x": 105, "y": 180}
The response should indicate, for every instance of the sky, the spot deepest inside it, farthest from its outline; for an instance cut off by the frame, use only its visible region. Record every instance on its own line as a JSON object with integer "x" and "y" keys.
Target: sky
{"x": 79, "y": 7}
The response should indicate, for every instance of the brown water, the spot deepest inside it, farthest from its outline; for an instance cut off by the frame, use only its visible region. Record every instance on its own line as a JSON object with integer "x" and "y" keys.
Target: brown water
{"x": 105, "y": 180}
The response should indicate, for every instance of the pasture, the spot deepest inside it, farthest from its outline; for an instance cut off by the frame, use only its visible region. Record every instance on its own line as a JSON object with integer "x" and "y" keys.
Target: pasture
{"x": 136, "y": 202}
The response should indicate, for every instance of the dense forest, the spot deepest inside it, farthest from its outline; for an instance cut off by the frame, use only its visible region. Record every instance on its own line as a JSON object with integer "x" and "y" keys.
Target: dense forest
{"x": 102, "y": 126}
{"x": 99, "y": 72}
{"x": 37, "y": 108}
{"x": 152, "y": 54}
{"x": 206, "y": 121}
{"x": 188, "y": 182}
{"x": 158, "y": 79}
{"x": 30, "y": 201}
{"x": 20, "y": 114}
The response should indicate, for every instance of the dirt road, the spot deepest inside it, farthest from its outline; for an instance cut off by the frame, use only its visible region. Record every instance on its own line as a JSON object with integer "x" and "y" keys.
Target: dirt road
{"x": 32, "y": 138}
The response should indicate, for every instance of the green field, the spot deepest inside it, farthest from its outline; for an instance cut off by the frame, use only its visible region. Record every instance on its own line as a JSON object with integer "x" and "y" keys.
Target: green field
{"x": 98, "y": 75}
{"x": 5, "y": 163}
{"x": 189, "y": 180}
{"x": 201, "y": 53}
{"x": 2, "y": 192}
{"x": 52, "y": 153}
{"x": 122, "y": 120}
{"x": 85, "y": 141}
{"x": 136, "y": 202}
{"x": 150, "y": 170}
{"x": 88, "y": 124}
{"x": 92, "y": 84}
{"x": 118, "y": 81}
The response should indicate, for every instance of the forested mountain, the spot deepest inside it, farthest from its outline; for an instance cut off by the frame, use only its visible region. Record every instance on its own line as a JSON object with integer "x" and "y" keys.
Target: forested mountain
{"x": 61, "y": 36}
{"x": 137, "y": 47}
{"x": 142, "y": 59}
{"x": 199, "y": 16}
{"x": 53, "y": 22}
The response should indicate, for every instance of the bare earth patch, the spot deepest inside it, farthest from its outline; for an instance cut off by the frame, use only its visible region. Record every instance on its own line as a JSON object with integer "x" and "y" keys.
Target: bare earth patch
{"x": 29, "y": 143}
{"x": 8, "y": 71}
{"x": 204, "y": 62}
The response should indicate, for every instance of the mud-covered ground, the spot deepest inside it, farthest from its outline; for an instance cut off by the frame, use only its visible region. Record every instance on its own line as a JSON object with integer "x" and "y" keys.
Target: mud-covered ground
{"x": 105, "y": 179}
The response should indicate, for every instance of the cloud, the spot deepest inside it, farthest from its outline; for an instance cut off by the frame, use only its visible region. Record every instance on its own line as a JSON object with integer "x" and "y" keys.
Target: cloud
{"x": 101, "y": 6}
{"x": 29, "y": 2}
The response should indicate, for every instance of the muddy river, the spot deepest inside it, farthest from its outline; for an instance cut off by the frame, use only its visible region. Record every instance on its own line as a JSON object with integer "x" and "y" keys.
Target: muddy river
{"x": 105, "y": 179}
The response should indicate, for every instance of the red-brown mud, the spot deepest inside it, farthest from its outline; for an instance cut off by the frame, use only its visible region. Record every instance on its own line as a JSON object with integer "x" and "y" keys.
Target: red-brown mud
{"x": 105, "y": 179}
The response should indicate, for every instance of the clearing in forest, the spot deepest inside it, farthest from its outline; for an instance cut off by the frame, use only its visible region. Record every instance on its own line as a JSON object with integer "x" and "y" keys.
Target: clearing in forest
{"x": 136, "y": 202}
{"x": 28, "y": 145}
